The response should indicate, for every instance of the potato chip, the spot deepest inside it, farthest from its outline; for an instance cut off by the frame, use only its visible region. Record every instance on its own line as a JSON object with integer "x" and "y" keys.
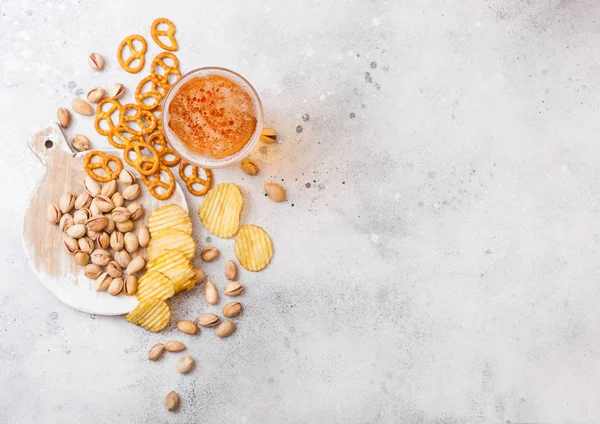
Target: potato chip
{"x": 185, "y": 286}
{"x": 153, "y": 314}
{"x": 171, "y": 239}
{"x": 253, "y": 247}
{"x": 173, "y": 265}
{"x": 221, "y": 209}
{"x": 169, "y": 216}
{"x": 154, "y": 285}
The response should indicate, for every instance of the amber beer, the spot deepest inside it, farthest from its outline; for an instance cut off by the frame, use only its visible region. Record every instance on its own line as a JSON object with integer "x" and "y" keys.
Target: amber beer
{"x": 212, "y": 117}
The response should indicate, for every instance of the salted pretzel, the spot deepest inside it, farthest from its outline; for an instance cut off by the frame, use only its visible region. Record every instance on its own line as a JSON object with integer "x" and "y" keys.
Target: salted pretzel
{"x": 159, "y": 64}
{"x": 145, "y": 164}
{"x": 156, "y": 181}
{"x": 104, "y": 164}
{"x": 104, "y": 114}
{"x": 157, "y": 111}
{"x": 169, "y": 33}
{"x": 155, "y": 93}
{"x": 157, "y": 140}
{"x": 121, "y": 136}
{"x": 133, "y": 53}
{"x": 144, "y": 118}
{"x": 194, "y": 178}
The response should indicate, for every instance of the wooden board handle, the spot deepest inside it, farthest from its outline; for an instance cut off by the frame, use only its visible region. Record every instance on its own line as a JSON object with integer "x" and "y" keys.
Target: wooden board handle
{"x": 49, "y": 142}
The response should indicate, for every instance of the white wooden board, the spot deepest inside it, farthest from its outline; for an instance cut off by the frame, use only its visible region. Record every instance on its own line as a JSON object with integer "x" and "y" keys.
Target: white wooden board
{"x": 42, "y": 241}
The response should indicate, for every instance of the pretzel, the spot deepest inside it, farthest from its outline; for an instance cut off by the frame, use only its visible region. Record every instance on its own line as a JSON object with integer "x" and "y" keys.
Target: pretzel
{"x": 121, "y": 136}
{"x": 157, "y": 139}
{"x": 146, "y": 165}
{"x": 153, "y": 93}
{"x": 144, "y": 118}
{"x": 169, "y": 32}
{"x": 134, "y": 54}
{"x": 159, "y": 63}
{"x": 155, "y": 181}
{"x": 103, "y": 164}
{"x": 194, "y": 178}
{"x": 157, "y": 111}
{"x": 106, "y": 115}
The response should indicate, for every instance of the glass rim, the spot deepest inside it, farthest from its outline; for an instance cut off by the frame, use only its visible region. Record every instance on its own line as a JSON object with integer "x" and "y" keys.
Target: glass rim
{"x": 195, "y": 159}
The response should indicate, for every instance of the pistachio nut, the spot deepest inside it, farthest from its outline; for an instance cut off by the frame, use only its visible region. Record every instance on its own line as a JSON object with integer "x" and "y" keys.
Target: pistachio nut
{"x": 270, "y": 134}
{"x": 92, "y": 271}
{"x": 92, "y": 234}
{"x": 109, "y": 188}
{"x": 94, "y": 208}
{"x": 199, "y": 275}
{"x": 116, "y": 286}
{"x": 81, "y": 216}
{"x": 232, "y": 309}
{"x": 104, "y": 203}
{"x": 95, "y": 94}
{"x": 143, "y": 236}
{"x": 131, "y": 242}
{"x": 96, "y": 61}
{"x": 91, "y": 186}
{"x": 86, "y": 244}
{"x": 225, "y": 329}
{"x": 230, "y": 270}
{"x": 174, "y": 346}
{"x": 209, "y": 254}
{"x": 275, "y": 192}
{"x": 81, "y": 258}
{"x": 117, "y": 241}
{"x": 76, "y": 231}
{"x": 117, "y": 199}
{"x": 64, "y": 117}
{"x": 187, "y": 327}
{"x": 103, "y": 240}
{"x": 66, "y": 202}
{"x": 185, "y": 364}
{"x": 120, "y": 214}
{"x": 249, "y": 167}
{"x": 126, "y": 226}
{"x": 66, "y": 222}
{"x": 116, "y": 91}
{"x": 82, "y": 107}
{"x": 100, "y": 257}
{"x": 123, "y": 258}
{"x": 110, "y": 225}
{"x": 131, "y": 192}
{"x": 210, "y": 293}
{"x": 103, "y": 282}
{"x": 114, "y": 269}
{"x": 208, "y": 320}
{"x": 83, "y": 200}
{"x": 171, "y": 400}
{"x": 126, "y": 177}
{"x": 53, "y": 213}
{"x": 233, "y": 289}
{"x": 131, "y": 284}
{"x": 156, "y": 351}
{"x": 81, "y": 143}
{"x": 136, "y": 210}
{"x": 97, "y": 223}
{"x": 70, "y": 243}
{"x": 136, "y": 265}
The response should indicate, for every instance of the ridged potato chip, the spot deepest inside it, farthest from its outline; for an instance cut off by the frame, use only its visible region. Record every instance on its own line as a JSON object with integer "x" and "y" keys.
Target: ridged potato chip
{"x": 169, "y": 216}
{"x": 186, "y": 285}
{"x": 154, "y": 285}
{"x": 253, "y": 247}
{"x": 153, "y": 314}
{"x": 220, "y": 211}
{"x": 173, "y": 265}
{"x": 171, "y": 239}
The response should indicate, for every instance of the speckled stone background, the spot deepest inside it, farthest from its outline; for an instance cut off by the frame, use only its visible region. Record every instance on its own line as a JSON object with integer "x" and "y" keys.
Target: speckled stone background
{"x": 437, "y": 259}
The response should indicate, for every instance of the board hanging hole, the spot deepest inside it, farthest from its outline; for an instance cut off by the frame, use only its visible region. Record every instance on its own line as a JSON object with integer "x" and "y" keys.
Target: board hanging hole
{"x": 48, "y": 144}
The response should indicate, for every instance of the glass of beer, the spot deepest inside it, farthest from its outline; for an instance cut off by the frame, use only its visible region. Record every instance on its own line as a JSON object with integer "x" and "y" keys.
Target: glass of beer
{"x": 212, "y": 117}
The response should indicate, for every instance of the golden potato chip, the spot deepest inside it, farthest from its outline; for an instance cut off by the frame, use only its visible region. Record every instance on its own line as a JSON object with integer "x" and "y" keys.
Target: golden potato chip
{"x": 253, "y": 247}
{"x": 171, "y": 239}
{"x": 220, "y": 210}
{"x": 152, "y": 314}
{"x": 154, "y": 285}
{"x": 185, "y": 286}
{"x": 169, "y": 216}
{"x": 173, "y": 265}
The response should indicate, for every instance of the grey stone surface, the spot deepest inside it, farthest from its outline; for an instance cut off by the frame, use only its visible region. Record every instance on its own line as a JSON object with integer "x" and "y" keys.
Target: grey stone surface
{"x": 436, "y": 261}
